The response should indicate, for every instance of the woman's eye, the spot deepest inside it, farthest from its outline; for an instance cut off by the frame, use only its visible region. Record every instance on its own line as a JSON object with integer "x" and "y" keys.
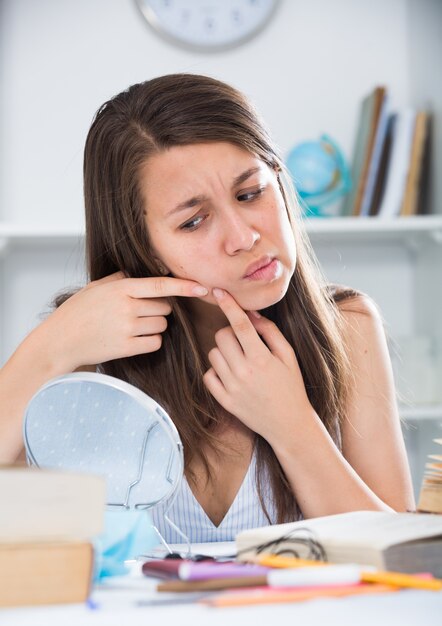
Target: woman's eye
{"x": 193, "y": 224}
{"x": 248, "y": 196}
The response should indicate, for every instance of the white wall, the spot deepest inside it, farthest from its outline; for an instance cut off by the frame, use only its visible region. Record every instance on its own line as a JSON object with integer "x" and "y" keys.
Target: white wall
{"x": 306, "y": 72}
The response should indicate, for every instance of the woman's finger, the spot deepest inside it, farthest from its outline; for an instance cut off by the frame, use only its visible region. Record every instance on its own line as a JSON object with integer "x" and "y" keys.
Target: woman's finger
{"x": 151, "y": 325}
{"x": 239, "y": 322}
{"x": 144, "y": 345}
{"x": 273, "y": 337}
{"x": 145, "y": 307}
{"x": 228, "y": 344}
{"x": 216, "y": 388}
{"x": 220, "y": 366}
{"x": 163, "y": 287}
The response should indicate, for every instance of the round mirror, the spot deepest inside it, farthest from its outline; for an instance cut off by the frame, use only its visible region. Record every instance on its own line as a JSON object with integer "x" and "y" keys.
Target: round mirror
{"x": 99, "y": 424}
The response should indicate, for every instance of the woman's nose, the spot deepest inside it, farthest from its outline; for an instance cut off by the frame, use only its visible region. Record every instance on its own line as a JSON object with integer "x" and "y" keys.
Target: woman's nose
{"x": 240, "y": 236}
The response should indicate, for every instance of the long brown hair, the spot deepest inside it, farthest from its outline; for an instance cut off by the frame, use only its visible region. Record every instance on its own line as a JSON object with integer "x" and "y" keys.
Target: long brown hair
{"x": 148, "y": 118}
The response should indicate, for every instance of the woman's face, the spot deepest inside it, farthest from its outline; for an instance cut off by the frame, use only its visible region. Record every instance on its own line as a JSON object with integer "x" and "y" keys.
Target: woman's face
{"x": 215, "y": 214}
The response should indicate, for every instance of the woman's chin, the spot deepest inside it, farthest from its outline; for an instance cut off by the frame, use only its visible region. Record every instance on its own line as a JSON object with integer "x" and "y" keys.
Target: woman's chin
{"x": 258, "y": 302}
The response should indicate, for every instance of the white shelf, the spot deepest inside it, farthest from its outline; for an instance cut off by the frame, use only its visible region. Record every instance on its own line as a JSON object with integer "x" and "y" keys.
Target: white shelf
{"x": 416, "y": 229}
{"x": 428, "y": 227}
{"x": 424, "y": 412}
{"x": 21, "y": 234}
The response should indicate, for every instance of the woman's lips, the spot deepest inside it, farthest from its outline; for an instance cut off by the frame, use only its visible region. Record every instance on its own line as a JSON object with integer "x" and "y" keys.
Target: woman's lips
{"x": 267, "y": 272}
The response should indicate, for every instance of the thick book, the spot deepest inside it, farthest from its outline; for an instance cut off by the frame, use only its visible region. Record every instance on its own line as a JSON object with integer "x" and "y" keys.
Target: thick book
{"x": 384, "y": 163}
{"x": 367, "y": 132}
{"x": 375, "y": 157}
{"x": 399, "y": 166}
{"x": 401, "y": 542}
{"x": 42, "y": 504}
{"x": 34, "y": 573}
{"x": 48, "y": 521}
{"x": 415, "y": 178}
{"x": 430, "y": 498}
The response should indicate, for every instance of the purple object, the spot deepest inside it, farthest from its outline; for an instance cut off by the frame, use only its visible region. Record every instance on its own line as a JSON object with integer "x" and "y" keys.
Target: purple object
{"x": 208, "y": 571}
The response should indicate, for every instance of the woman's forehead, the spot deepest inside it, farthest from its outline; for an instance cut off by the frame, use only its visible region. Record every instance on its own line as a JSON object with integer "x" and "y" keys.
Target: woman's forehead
{"x": 173, "y": 174}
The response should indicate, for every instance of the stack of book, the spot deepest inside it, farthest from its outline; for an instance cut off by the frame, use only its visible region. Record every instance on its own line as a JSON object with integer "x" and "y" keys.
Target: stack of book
{"x": 430, "y": 499}
{"x": 390, "y": 160}
{"x": 48, "y": 521}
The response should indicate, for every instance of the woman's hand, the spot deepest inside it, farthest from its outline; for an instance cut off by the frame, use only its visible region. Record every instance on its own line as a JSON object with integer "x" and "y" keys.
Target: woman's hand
{"x": 260, "y": 383}
{"x": 112, "y": 318}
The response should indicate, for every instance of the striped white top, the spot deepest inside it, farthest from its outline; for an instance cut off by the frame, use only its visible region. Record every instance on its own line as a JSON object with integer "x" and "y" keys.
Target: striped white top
{"x": 187, "y": 513}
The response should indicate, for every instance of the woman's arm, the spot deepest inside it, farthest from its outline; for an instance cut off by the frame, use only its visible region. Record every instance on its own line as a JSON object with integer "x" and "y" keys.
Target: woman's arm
{"x": 108, "y": 319}
{"x": 372, "y": 472}
{"x": 372, "y": 438}
{"x": 263, "y": 387}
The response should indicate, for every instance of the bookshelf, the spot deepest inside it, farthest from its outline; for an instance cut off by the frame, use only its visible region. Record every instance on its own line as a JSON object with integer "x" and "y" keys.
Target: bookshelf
{"x": 418, "y": 228}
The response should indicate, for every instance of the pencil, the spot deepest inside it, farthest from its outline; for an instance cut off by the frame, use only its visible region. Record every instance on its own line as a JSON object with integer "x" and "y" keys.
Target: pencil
{"x": 393, "y": 578}
{"x": 402, "y": 580}
{"x": 294, "y": 595}
{"x": 277, "y": 561}
{"x": 179, "y": 586}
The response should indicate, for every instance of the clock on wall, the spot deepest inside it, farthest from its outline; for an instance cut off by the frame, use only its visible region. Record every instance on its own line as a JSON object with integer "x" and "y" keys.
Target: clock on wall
{"x": 208, "y": 25}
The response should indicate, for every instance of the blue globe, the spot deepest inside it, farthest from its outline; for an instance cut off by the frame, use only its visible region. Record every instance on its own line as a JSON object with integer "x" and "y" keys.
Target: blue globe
{"x": 320, "y": 174}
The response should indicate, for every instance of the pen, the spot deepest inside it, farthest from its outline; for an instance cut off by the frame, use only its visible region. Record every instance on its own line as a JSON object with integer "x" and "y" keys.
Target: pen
{"x": 301, "y": 577}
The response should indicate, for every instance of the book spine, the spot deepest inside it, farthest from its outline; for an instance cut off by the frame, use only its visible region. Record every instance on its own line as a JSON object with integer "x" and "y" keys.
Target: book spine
{"x": 375, "y": 160}
{"x": 399, "y": 164}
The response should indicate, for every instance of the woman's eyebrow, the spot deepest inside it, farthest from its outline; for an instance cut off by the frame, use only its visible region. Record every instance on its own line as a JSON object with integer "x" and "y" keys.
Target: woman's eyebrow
{"x": 245, "y": 175}
{"x": 187, "y": 204}
{"x": 191, "y": 202}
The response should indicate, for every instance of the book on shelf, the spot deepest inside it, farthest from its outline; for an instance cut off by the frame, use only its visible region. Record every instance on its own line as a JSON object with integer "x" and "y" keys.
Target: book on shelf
{"x": 399, "y": 165}
{"x": 48, "y": 522}
{"x": 430, "y": 498}
{"x": 401, "y": 542}
{"x": 412, "y": 201}
{"x": 384, "y": 163}
{"x": 375, "y": 157}
{"x": 366, "y": 151}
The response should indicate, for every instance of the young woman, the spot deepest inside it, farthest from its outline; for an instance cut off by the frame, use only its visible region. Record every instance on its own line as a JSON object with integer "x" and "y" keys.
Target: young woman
{"x": 204, "y": 294}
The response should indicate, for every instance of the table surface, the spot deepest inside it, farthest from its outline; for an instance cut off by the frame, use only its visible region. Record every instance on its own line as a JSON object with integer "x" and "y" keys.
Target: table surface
{"x": 130, "y": 601}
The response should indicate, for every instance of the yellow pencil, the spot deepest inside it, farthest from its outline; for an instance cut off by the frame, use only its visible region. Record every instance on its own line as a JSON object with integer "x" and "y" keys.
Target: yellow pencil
{"x": 402, "y": 580}
{"x": 274, "y": 560}
{"x": 387, "y": 578}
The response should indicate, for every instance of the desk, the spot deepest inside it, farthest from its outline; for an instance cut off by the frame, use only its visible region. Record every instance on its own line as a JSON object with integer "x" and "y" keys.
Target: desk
{"x": 118, "y": 608}
{"x": 120, "y": 601}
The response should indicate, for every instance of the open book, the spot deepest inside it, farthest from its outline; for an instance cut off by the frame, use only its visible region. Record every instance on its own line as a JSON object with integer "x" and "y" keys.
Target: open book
{"x": 402, "y": 542}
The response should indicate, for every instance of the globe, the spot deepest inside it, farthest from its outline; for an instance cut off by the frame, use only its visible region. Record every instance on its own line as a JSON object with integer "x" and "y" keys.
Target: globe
{"x": 320, "y": 174}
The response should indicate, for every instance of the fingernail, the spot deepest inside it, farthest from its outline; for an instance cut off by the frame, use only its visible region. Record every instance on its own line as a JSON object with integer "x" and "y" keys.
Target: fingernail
{"x": 255, "y": 314}
{"x": 200, "y": 291}
{"x": 218, "y": 293}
